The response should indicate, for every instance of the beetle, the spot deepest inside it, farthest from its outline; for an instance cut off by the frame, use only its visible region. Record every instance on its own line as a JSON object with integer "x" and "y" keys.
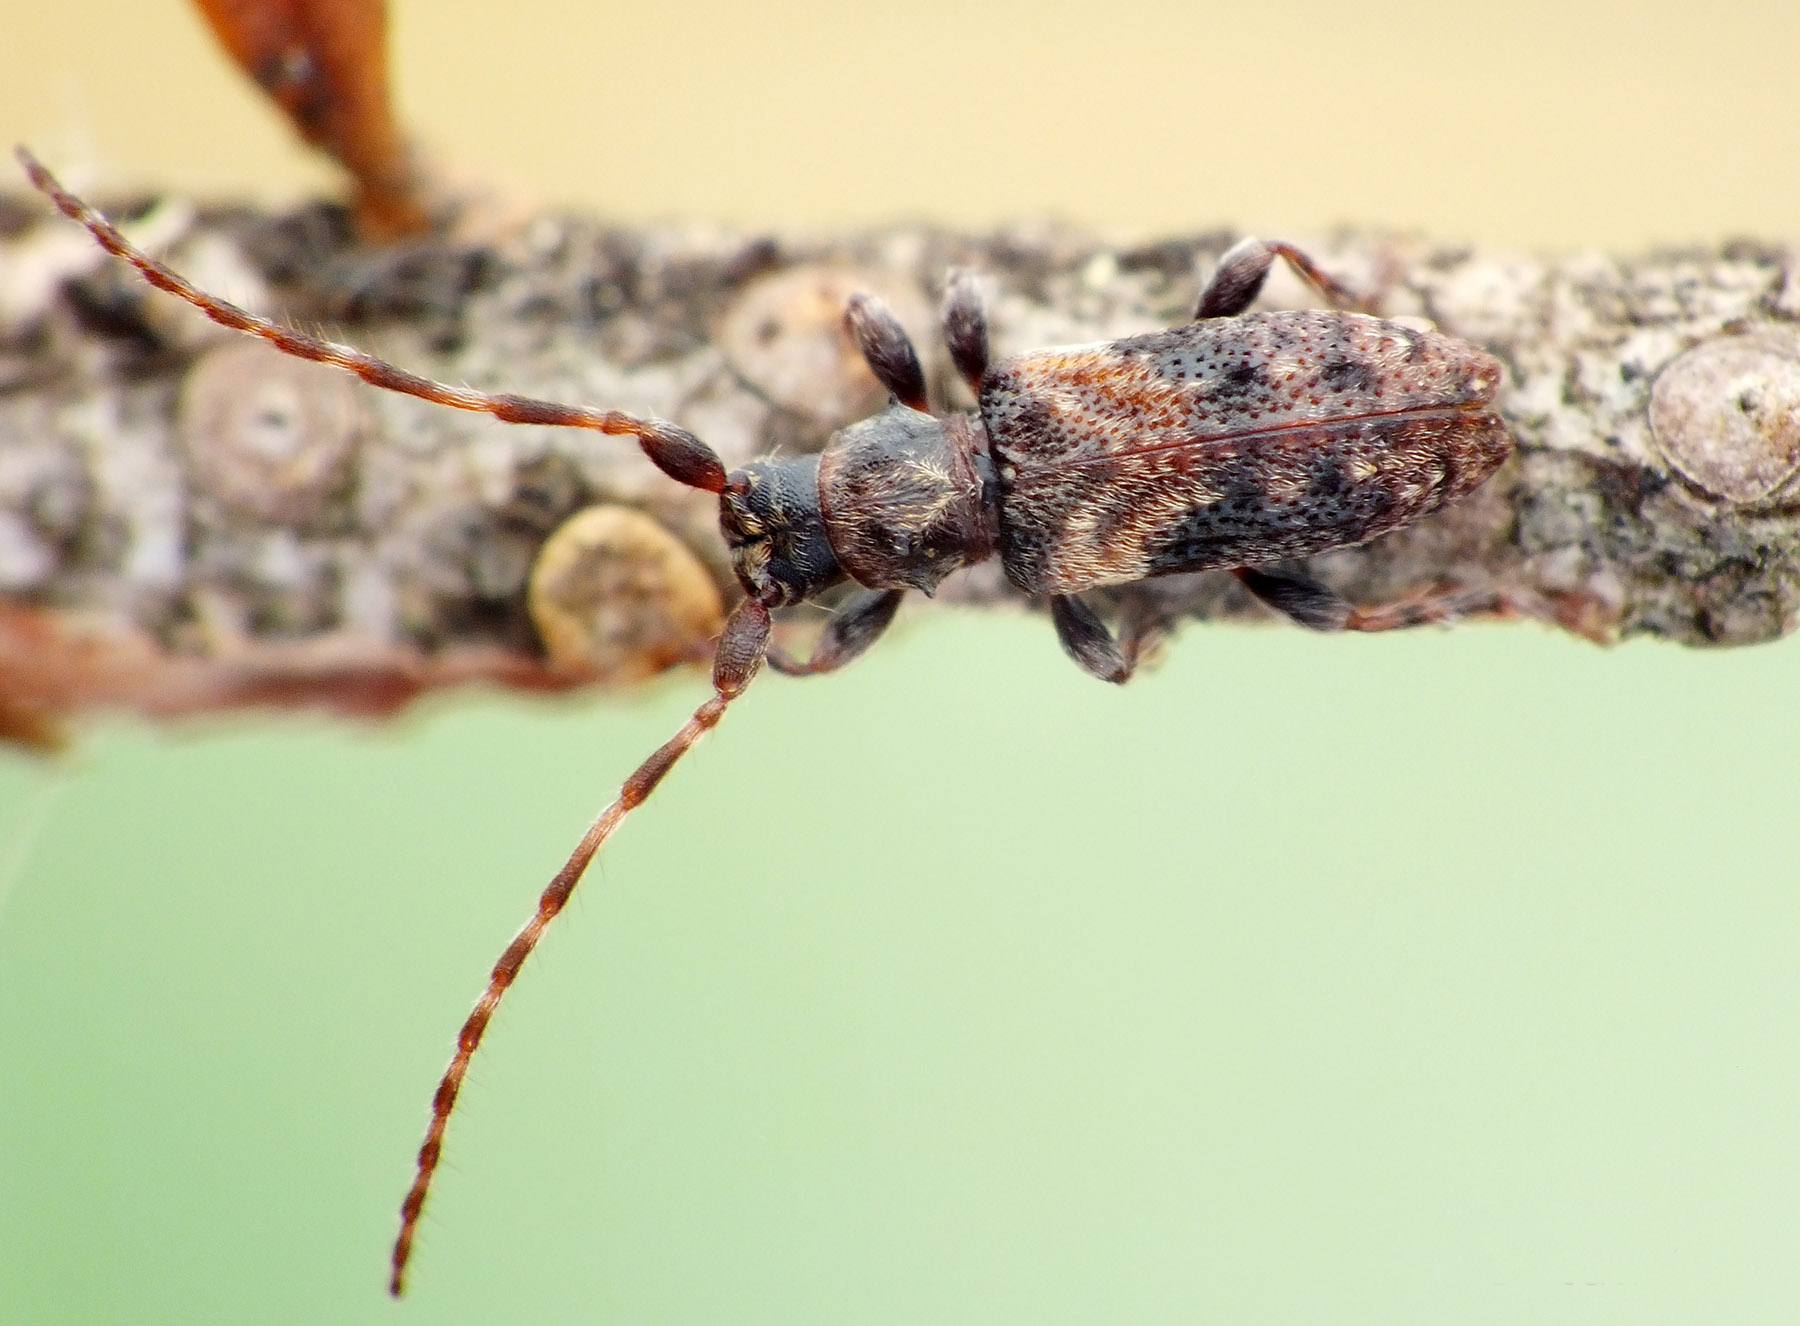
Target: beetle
{"x": 1239, "y": 441}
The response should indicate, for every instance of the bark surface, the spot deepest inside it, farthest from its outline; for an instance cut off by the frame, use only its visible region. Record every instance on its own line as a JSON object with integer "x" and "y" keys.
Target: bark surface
{"x": 190, "y": 523}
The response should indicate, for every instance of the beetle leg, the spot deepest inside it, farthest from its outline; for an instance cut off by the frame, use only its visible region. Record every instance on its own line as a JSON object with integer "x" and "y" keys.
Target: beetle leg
{"x": 1298, "y": 596}
{"x": 1144, "y": 624}
{"x": 1085, "y": 637}
{"x": 1439, "y": 607}
{"x": 845, "y": 636}
{"x": 887, "y": 349}
{"x": 965, "y": 329}
{"x": 1244, "y": 268}
{"x": 1318, "y": 606}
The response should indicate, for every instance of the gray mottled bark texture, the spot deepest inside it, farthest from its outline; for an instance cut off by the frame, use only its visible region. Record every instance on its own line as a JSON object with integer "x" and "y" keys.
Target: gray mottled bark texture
{"x": 186, "y": 523}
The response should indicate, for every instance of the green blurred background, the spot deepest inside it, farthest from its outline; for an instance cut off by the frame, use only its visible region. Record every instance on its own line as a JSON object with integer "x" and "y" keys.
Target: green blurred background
{"x": 1442, "y": 978}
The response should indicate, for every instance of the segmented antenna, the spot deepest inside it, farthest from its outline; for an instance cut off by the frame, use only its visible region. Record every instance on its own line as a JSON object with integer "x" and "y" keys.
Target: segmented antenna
{"x": 742, "y": 646}
{"x": 674, "y": 451}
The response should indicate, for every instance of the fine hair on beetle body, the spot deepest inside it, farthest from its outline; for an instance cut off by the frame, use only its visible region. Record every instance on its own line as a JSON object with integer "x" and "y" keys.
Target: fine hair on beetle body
{"x": 1238, "y": 442}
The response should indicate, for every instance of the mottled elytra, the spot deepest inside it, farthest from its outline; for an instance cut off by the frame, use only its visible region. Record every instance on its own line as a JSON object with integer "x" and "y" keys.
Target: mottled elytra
{"x": 1237, "y": 442}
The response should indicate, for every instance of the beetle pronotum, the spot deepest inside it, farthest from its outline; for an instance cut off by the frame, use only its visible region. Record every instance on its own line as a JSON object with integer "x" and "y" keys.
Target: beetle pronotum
{"x": 1235, "y": 442}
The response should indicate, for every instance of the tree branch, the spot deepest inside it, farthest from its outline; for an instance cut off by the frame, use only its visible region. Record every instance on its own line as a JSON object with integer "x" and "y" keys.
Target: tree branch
{"x": 190, "y": 522}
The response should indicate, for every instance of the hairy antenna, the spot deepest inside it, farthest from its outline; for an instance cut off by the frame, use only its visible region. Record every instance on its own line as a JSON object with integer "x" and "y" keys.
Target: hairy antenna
{"x": 742, "y": 646}
{"x": 674, "y": 451}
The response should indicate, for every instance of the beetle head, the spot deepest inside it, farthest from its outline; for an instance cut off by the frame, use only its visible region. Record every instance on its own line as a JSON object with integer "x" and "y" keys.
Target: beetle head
{"x": 769, "y": 512}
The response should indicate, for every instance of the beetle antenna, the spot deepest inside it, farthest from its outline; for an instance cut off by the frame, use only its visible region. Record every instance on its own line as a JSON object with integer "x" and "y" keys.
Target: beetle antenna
{"x": 674, "y": 451}
{"x": 742, "y": 645}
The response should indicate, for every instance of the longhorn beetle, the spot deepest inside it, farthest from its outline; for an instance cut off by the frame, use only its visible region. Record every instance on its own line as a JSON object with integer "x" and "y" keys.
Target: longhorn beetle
{"x": 1237, "y": 442}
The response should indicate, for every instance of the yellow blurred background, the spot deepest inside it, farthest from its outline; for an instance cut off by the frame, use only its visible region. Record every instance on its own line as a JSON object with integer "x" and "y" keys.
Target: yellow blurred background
{"x": 1535, "y": 123}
